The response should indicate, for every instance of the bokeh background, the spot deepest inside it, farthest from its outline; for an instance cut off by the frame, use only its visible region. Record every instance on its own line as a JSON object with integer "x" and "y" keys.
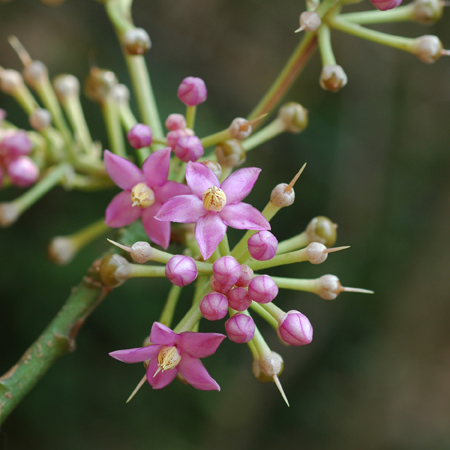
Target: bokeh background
{"x": 377, "y": 373}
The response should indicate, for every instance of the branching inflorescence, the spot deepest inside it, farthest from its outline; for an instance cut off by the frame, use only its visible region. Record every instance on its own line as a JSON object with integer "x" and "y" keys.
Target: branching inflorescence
{"x": 178, "y": 177}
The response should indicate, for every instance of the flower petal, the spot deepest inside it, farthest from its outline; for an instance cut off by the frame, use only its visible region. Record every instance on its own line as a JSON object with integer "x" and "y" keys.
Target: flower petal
{"x": 200, "y": 345}
{"x": 162, "y": 379}
{"x": 160, "y": 334}
{"x": 199, "y": 178}
{"x": 195, "y": 373}
{"x": 171, "y": 189}
{"x": 156, "y": 167}
{"x": 182, "y": 209}
{"x": 120, "y": 212}
{"x": 123, "y": 172}
{"x": 243, "y": 216}
{"x": 239, "y": 184}
{"x": 135, "y": 355}
{"x": 209, "y": 231}
{"x": 157, "y": 231}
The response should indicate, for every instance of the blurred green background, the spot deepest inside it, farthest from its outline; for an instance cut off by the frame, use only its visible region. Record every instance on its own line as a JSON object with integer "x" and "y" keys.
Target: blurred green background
{"x": 377, "y": 374}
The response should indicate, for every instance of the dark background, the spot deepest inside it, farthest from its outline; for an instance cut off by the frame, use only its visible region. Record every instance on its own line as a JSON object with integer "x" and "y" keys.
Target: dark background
{"x": 377, "y": 374}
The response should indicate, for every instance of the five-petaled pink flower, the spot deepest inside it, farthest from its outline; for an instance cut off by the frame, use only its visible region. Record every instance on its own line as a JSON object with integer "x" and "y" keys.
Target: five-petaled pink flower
{"x": 172, "y": 353}
{"x": 214, "y": 206}
{"x": 144, "y": 191}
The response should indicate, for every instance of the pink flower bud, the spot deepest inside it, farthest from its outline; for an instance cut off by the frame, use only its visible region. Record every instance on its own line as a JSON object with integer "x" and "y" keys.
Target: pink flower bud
{"x": 188, "y": 148}
{"x": 263, "y": 245}
{"x": 214, "y": 306}
{"x": 173, "y": 136}
{"x": 192, "y": 91}
{"x": 240, "y": 328}
{"x": 140, "y": 136}
{"x": 262, "y": 289}
{"x": 22, "y": 171}
{"x": 14, "y": 144}
{"x": 238, "y": 299}
{"x": 294, "y": 328}
{"x": 1, "y": 177}
{"x": 384, "y": 5}
{"x": 181, "y": 270}
{"x": 219, "y": 287}
{"x": 175, "y": 122}
{"x": 2, "y": 115}
{"x": 246, "y": 276}
{"x": 227, "y": 270}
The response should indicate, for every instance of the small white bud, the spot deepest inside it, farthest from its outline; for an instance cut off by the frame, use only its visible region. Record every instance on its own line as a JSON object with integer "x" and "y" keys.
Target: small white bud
{"x": 66, "y": 86}
{"x": 214, "y": 167}
{"x": 315, "y": 252}
{"x": 332, "y": 78}
{"x": 282, "y": 195}
{"x": 10, "y": 81}
{"x": 428, "y": 48}
{"x": 309, "y": 21}
{"x": 141, "y": 252}
{"x": 8, "y": 214}
{"x": 428, "y": 11}
{"x": 240, "y": 128}
{"x": 61, "y": 250}
{"x": 40, "y": 118}
{"x": 34, "y": 73}
{"x": 136, "y": 41}
{"x": 121, "y": 94}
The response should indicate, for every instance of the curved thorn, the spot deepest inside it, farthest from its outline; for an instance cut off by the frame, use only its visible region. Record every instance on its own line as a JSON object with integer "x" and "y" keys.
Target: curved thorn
{"x": 335, "y": 249}
{"x": 280, "y": 388}
{"x": 137, "y": 388}
{"x": 294, "y": 180}
{"x": 123, "y": 247}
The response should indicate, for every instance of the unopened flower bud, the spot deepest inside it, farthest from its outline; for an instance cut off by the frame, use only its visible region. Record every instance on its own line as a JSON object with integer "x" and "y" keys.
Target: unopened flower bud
{"x": 294, "y": 117}
{"x": 8, "y": 214}
{"x": 219, "y": 287}
{"x": 240, "y": 328}
{"x": 238, "y": 299}
{"x": 175, "y": 122}
{"x": 66, "y": 86}
{"x": 323, "y": 230}
{"x": 99, "y": 84}
{"x": 136, "y": 41}
{"x": 140, "y": 136}
{"x": 192, "y": 91}
{"x": 246, "y": 276}
{"x": 40, "y": 118}
{"x": 188, "y": 148}
{"x": 428, "y": 11}
{"x": 114, "y": 270}
{"x": 214, "y": 306}
{"x": 428, "y": 48}
{"x": 230, "y": 153}
{"x": 240, "y": 128}
{"x": 328, "y": 287}
{"x": 35, "y": 73}
{"x": 22, "y": 171}
{"x": 173, "y": 136}
{"x": 262, "y": 289}
{"x": 141, "y": 252}
{"x": 294, "y": 328}
{"x": 332, "y": 78}
{"x": 262, "y": 245}
{"x": 214, "y": 167}
{"x": 315, "y": 252}
{"x": 226, "y": 270}
{"x": 61, "y": 250}
{"x": 181, "y": 270}
{"x": 10, "y": 81}
{"x": 384, "y": 5}
{"x": 121, "y": 94}
{"x": 309, "y": 21}
{"x": 282, "y": 195}
{"x": 15, "y": 143}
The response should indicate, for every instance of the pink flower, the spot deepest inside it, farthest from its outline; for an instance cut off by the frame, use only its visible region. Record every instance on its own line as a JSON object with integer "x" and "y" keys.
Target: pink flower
{"x": 214, "y": 206}
{"x": 172, "y": 353}
{"x": 384, "y": 5}
{"x": 144, "y": 191}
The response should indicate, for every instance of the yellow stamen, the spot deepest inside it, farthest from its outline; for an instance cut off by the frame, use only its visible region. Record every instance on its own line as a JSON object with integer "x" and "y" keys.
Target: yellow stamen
{"x": 142, "y": 196}
{"x": 214, "y": 199}
{"x": 168, "y": 358}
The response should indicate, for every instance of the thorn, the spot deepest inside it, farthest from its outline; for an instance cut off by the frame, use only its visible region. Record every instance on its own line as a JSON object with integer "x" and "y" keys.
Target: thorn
{"x": 137, "y": 388}
{"x": 445, "y": 52}
{"x": 257, "y": 119}
{"x": 280, "y": 388}
{"x": 299, "y": 29}
{"x": 335, "y": 249}
{"x": 156, "y": 373}
{"x": 20, "y": 50}
{"x": 294, "y": 180}
{"x": 361, "y": 291}
{"x": 123, "y": 247}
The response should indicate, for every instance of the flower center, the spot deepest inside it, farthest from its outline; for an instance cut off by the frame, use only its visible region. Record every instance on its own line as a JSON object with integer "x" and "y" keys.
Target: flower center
{"x": 168, "y": 358}
{"x": 142, "y": 196}
{"x": 214, "y": 199}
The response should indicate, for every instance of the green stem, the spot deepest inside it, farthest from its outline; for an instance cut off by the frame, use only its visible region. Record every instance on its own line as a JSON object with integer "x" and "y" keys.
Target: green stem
{"x": 74, "y": 112}
{"x": 326, "y": 50}
{"x": 111, "y": 117}
{"x": 190, "y": 116}
{"x": 399, "y": 14}
{"x": 280, "y": 260}
{"x": 398, "y": 42}
{"x": 215, "y": 138}
{"x": 87, "y": 234}
{"x": 294, "y": 243}
{"x": 264, "y": 314}
{"x": 273, "y": 310}
{"x": 273, "y": 129}
{"x": 169, "y": 308}
{"x": 55, "y": 341}
{"x": 296, "y": 284}
{"x": 224, "y": 247}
